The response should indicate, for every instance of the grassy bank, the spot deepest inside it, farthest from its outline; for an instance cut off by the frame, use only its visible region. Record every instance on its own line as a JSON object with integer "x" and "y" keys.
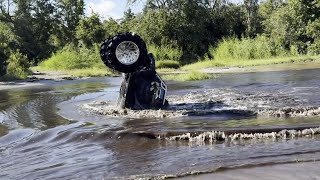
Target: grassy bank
{"x": 245, "y": 63}
{"x": 233, "y": 52}
{"x": 189, "y": 76}
{"x": 78, "y": 62}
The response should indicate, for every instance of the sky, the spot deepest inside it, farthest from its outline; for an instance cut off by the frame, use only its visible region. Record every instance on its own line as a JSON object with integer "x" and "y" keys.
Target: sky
{"x": 111, "y": 8}
{"x": 116, "y": 8}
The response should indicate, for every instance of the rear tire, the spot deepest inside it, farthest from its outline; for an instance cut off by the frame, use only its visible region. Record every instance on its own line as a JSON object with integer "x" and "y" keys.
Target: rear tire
{"x": 125, "y": 52}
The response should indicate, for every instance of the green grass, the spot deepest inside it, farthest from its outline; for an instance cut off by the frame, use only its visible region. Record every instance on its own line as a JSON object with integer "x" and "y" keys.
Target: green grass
{"x": 162, "y": 53}
{"x": 261, "y": 47}
{"x": 167, "y": 64}
{"x": 244, "y": 63}
{"x": 233, "y": 52}
{"x": 163, "y": 70}
{"x": 78, "y": 62}
{"x": 190, "y": 76}
{"x": 73, "y": 58}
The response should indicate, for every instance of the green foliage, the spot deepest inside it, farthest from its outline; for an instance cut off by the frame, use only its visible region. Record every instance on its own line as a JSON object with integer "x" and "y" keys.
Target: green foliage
{"x": 167, "y": 64}
{"x": 111, "y": 27}
{"x": 18, "y": 66}
{"x": 155, "y": 26}
{"x": 165, "y": 52}
{"x": 70, "y": 12}
{"x": 90, "y": 31}
{"x": 244, "y": 49}
{"x": 7, "y": 43}
{"x": 244, "y": 63}
{"x": 252, "y": 17}
{"x": 294, "y": 24}
{"x": 182, "y": 31}
{"x": 73, "y": 58}
{"x": 314, "y": 48}
{"x": 79, "y": 62}
{"x": 190, "y": 76}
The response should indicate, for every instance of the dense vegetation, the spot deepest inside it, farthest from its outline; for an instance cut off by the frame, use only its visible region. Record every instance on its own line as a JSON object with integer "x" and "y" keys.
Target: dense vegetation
{"x": 178, "y": 32}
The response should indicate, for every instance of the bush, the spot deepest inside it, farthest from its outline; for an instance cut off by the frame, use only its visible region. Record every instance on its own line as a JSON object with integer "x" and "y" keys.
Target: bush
{"x": 260, "y": 47}
{"x": 18, "y": 66}
{"x": 162, "y": 53}
{"x": 71, "y": 58}
{"x": 167, "y": 64}
{"x": 314, "y": 49}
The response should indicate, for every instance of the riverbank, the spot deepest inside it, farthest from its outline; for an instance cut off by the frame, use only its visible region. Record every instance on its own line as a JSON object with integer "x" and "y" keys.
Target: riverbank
{"x": 36, "y": 79}
{"x": 183, "y": 74}
{"x": 250, "y": 62}
{"x": 239, "y": 66}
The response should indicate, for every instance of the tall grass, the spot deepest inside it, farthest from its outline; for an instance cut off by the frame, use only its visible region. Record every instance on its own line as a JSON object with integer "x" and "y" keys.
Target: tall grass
{"x": 77, "y": 61}
{"x": 249, "y": 52}
{"x": 260, "y": 47}
{"x": 73, "y": 58}
{"x": 162, "y": 53}
{"x": 190, "y": 76}
{"x": 167, "y": 64}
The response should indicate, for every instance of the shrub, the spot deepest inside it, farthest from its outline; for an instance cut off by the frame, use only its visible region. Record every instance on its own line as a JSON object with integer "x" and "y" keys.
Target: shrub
{"x": 165, "y": 52}
{"x": 260, "y": 47}
{"x": 18, "y": 66}
{"x": 314, "y": 49}
{"x": 71, "y": 58}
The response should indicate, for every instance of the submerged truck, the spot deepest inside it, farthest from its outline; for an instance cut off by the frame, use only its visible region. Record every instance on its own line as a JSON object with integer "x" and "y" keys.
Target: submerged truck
{"x": 142, "y": 87}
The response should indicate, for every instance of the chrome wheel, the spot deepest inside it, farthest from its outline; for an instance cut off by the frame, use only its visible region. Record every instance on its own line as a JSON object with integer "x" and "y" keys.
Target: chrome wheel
{"x": 127, "y": 52}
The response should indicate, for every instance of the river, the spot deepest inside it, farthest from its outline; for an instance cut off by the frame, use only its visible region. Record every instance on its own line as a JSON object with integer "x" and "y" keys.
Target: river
{"x": 47, "y": 133}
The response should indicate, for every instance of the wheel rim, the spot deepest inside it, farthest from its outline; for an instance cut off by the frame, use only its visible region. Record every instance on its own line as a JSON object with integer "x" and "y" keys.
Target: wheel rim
{"x": 127, "y": 52}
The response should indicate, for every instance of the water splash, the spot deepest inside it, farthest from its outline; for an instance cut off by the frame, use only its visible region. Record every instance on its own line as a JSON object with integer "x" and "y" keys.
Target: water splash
{"x": 214, "y": 136}
{"x": 217, "y": 102}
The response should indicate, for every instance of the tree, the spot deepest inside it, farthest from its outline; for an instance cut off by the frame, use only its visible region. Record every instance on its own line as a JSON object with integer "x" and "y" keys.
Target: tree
{"x": 111, "y": 27}
{"x": 43, "y": 26}
{"x": 253, "y": 19}
{"x": 90, "y": 31}
{"x": 292, "y": 24}
{"x": 8, "y": 42}
{"x": 70, "y": 13}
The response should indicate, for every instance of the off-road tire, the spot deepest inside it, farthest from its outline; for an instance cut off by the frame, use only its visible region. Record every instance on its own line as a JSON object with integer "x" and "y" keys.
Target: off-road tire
{"x": 109, "y": 56}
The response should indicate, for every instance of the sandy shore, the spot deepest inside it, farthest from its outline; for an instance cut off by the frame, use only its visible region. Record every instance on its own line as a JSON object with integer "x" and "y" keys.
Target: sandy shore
{"x": 293, "y": 171}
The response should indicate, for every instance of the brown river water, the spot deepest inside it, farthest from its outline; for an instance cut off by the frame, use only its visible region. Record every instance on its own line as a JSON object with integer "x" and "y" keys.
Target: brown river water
{"x": 72, "y": 129}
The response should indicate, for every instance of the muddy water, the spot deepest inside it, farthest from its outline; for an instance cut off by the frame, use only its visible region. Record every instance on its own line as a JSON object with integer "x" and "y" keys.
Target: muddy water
{"x": 234, "y": 121}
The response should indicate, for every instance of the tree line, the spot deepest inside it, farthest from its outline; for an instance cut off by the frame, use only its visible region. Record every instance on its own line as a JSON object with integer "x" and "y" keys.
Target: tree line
{"x": 32, "y": 30}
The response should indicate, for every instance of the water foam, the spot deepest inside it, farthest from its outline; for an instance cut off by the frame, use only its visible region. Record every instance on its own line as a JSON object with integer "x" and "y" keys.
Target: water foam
{"x": 217, "y": 102}
{"x": 214, "y": 136}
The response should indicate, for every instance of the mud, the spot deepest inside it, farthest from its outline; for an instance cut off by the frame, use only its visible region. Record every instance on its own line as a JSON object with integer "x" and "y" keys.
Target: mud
{"x": 217, "y": 102}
